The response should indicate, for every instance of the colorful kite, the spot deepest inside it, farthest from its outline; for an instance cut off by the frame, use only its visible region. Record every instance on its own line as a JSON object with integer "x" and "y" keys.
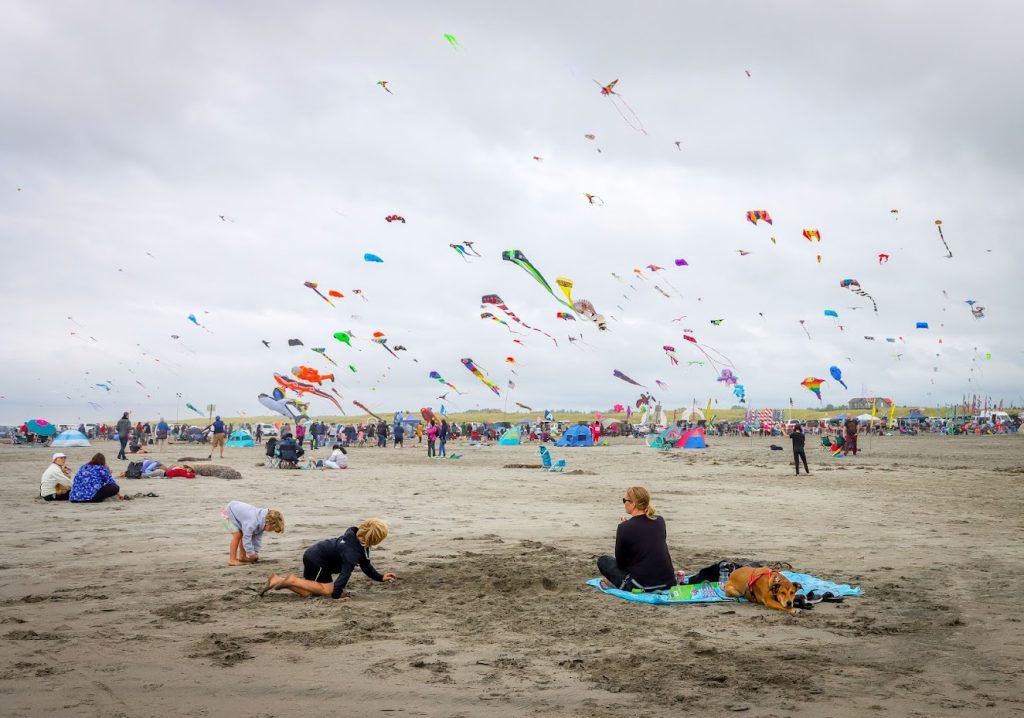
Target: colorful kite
{"x": 310, "y": 374}
{"x": 758, "y": 215}
{"x": 322, "y": 351}
{"x": 814, "y": 385}
{"x": 812, "y": 234}
{"x": 278, "y": 404}
{"x": 300, "y": 388}
{"x": 461, "y": 251}
{"x": 717, "y": 322}
{"x": 938, "y": 226}
{"x": 384, "y": 84}
{"x": 707, "y": 351}
{"x": 343, "y": 337}
{"x": 475, "y": 371}
{"x": 102, "y": 386}
{"x": 372, "y": 258}
{"x": 682, "y": 263}
{"x": 189, "y": 406}
{"x": 921, "y": 325}
{"x": 854, "y": 286}
{"x": 609, "y": 92}
{"x": 565, "y": 316}
{"x": 499, "y": 320}
{"x": 379, "y": 338}
{"x": 670, "y": 352}
{"x": 883, "y": 258}
{"x": 453, "y": 41}
{"x": 364, "y": 408}
{"x": 619, "y": 375}
{"x": 661, "y": 385}
{"x": 519, "y": 259}
{"x": 592, "y": 197}
{"x": 313, "y": 286}
{"x": 664, "y": 278}
{"x": 394, "y": 218}
{"x": 837, "y": 374}
{"x": 496, "y": 301}
{"x": 438, "y": 378}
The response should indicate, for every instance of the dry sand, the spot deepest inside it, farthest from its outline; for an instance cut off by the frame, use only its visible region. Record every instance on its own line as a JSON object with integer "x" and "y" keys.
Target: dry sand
{"x": 129, "y": 609}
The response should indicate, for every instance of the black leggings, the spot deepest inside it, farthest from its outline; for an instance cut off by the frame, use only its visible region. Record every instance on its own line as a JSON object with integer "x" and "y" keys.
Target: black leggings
{"x": 617, "y": 577}
{"x": 57, "y": 497}
{"x": 105, "y": 492}
{"x": 797, "y": 455}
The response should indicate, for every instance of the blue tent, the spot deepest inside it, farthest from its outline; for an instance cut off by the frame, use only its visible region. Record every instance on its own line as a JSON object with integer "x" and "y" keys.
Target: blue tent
{"x": 692, "y": 439}
{"x": 578, "y": 435}
{"x": 915, "y": 416}
{"x": 510, "y": 437}
{"x": 241, "y": 438}
{"x": 70, "y": 438}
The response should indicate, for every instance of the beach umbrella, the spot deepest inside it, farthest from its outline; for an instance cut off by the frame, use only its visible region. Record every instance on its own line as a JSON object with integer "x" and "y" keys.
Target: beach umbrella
{"x": 41, "y": 427}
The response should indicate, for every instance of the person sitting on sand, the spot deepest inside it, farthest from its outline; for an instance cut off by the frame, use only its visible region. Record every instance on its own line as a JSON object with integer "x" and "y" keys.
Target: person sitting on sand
{"x": 335, "y": 555}
{"x": 56, "y": 480}
{"x": 641, "y": 557}
{"x": 93, "y": 482}
{"x": 338, "y": 458}
{"x": 246, "y": 523}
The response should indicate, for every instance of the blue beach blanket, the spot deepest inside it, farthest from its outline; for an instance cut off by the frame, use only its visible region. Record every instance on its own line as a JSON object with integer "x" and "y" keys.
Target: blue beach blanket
{"x": 710, "y": 593}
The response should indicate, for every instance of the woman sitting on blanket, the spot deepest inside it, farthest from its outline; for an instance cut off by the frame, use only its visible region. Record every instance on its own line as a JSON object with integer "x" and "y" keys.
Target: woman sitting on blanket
{"x": 641, "y": 556}
{"x": 335, "y": 555}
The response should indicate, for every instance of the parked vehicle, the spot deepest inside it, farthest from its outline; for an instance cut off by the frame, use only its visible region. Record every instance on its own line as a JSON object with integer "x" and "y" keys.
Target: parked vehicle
{"x": 265, "y": 430}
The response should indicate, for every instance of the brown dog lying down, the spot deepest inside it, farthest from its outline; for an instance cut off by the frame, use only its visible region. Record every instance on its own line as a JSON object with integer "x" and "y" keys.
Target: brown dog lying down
{"x": 764, "y": 586}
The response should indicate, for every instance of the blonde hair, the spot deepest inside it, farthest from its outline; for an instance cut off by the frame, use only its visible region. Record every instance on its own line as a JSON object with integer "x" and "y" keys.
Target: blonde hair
{"x": 275, "y": 521}
{"x": 641, "y": 499}
{"x": 371, "y": 532}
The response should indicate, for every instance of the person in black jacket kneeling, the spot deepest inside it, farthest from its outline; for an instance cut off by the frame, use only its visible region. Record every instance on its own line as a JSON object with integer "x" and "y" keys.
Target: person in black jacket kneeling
{"x": 335, "y": 556}
{"x": 641, "y": 557}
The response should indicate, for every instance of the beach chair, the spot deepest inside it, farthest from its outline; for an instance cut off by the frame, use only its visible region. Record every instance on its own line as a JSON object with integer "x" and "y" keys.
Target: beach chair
{"x": 547, "y": 463}
{"x": 288, "y": 457}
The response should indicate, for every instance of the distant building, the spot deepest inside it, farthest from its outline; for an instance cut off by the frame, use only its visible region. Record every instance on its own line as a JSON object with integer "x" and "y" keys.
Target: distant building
{"x": 861, "y": 403}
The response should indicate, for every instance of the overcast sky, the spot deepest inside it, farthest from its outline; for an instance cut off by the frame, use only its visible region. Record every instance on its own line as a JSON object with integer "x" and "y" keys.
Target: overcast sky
{"x": 128, "y": 128}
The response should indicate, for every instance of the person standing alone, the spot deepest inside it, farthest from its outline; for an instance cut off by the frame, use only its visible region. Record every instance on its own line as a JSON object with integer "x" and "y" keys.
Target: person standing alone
{"x": 852, "y": 425}
{"x": 798, "y": 438}
{"x": 220, "y": 436}
{"x": 124, "y": 427}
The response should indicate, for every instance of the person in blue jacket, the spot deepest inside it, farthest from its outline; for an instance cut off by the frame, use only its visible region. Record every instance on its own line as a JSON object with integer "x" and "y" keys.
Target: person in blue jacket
{"x": 332, "y": 556}
{"x": 93, "y": 482}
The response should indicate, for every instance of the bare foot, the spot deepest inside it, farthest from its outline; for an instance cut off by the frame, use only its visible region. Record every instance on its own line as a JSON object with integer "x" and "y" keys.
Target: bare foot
{"x": 234, "y": 562}
{"x": 273, "y": 583}
{"x": 605, "y": 585}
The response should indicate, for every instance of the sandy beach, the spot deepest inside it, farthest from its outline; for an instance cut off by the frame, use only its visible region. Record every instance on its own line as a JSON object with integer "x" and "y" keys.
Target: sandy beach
{"x": 130, "y": 609}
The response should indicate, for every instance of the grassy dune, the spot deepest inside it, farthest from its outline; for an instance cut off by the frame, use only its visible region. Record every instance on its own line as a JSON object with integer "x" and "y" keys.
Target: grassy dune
{"x": 491, "y": 416}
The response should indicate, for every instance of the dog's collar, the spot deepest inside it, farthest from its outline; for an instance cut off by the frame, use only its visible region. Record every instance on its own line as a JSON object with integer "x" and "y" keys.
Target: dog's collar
{"x": 756, "y": 576}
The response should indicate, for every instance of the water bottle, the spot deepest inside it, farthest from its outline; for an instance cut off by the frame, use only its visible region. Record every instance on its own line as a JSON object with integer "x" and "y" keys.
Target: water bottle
{"x": 723, "y": 574}
{"x": 680, "y": 578}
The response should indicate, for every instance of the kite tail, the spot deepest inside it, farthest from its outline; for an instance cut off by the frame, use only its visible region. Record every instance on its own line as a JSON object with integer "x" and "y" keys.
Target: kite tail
{"x": 841, "y": 382}
{"x": 639, "y": 126}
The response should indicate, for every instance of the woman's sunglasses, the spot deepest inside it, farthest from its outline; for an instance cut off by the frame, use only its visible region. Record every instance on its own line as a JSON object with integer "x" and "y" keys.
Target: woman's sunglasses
{"x": 626, "y": 501}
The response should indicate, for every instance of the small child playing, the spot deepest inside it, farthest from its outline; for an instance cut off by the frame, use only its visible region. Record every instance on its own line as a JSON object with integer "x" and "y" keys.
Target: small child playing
{"x": 246, "y": 523}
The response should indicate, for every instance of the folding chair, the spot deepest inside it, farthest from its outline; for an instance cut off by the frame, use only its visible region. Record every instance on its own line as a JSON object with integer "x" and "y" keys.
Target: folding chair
{"x": 547, "y": 463}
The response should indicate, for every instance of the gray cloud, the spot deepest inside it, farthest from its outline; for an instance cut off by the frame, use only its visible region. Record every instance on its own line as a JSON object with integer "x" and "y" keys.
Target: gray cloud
{"x": 132, "y": 136}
